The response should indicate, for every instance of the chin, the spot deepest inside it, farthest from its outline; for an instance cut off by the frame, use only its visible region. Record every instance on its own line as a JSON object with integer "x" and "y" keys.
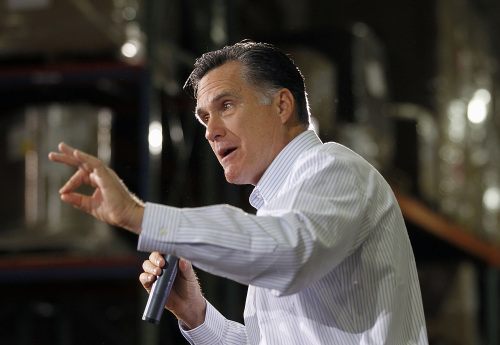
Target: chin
{"x": 235, "y": 179}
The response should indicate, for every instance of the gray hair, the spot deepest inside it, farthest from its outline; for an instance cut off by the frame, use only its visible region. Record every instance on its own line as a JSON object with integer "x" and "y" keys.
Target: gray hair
{"x": 265, "y": 68}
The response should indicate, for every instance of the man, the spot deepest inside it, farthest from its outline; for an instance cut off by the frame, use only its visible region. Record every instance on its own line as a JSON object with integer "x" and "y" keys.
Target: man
{"x": 327, "y": 257}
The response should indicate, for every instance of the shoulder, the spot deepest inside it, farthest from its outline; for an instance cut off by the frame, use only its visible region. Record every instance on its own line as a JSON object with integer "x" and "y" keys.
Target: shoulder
{"x": 333, "y": 163}
{"x": 331, "y": 154}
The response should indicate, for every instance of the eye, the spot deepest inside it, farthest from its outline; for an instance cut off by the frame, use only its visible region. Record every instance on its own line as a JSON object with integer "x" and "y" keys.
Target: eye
{"x": 203, "y": 118}
{"x": 227, "y": 105}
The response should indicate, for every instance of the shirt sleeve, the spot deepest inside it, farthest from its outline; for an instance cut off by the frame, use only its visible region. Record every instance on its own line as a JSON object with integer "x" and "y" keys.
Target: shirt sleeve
{"x": 216, "y": 330}
{"x": 296, "y": 239}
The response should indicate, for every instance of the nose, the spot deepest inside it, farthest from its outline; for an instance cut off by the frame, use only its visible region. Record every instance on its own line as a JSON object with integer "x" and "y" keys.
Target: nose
{"x": 214, "y": 128}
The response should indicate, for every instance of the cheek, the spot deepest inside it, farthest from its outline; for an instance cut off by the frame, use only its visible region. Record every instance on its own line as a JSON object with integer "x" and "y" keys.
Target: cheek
{"x": 256, "y": 148}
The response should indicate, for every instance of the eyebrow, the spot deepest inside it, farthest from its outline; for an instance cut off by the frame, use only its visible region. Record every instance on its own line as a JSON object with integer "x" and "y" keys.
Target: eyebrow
{"x": 200, "y": 111}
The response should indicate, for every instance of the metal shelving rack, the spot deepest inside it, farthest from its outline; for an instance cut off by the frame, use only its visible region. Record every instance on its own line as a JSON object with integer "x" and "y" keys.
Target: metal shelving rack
{"x": 449, "y": 233}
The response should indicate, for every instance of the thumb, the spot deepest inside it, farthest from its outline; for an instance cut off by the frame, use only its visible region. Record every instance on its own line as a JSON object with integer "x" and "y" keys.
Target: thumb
{"x": 74, "y": 199}
{"x": 186, "y": 269}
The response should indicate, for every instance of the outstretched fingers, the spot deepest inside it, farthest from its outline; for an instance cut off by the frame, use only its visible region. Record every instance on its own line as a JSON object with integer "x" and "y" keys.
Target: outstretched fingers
{"x": 88, "y": 162}
{"x": 75, "y": 158}
{"x": 111, "y": 201}
{"x": 65, "y": 155}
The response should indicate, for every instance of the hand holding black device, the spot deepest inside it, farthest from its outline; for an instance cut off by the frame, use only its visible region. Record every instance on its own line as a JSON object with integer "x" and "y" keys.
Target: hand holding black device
{"x": 160, "y": 290}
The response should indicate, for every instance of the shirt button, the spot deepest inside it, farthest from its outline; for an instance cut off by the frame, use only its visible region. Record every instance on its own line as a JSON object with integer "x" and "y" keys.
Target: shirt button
{"x": 164, "y": 231}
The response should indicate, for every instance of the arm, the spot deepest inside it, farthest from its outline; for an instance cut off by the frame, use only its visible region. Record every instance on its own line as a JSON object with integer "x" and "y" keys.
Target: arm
{"x": 112, "y": 202}
{"x": 300, "y": 236}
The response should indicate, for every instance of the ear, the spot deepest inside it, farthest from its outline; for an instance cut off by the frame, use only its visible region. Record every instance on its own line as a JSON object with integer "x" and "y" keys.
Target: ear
{"x": 285, "y": 105}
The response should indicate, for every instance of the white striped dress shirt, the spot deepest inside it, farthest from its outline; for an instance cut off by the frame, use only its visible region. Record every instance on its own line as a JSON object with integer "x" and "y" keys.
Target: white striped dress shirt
{"x": 327, "y": 256}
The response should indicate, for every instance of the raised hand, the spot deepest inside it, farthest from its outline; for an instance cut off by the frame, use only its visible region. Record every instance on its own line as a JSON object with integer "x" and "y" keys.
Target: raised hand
{"x": 111, "y": 201}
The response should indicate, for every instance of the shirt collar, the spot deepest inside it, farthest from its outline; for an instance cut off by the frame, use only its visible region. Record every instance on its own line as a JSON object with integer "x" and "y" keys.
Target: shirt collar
{"x": 275, "y": 175}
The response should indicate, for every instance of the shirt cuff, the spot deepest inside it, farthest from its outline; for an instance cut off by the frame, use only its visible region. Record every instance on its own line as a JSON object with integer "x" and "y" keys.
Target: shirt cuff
{"x": 159, "y": 227}
{"x": 210, "y": 332}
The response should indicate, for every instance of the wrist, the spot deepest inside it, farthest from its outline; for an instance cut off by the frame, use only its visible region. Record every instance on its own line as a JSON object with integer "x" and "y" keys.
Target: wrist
{"x": 195, "y": 316}
{"x": 135, "y": 219}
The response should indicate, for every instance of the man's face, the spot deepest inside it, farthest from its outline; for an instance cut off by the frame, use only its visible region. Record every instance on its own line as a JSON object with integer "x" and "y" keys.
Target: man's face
{"x": 245, "y": 134}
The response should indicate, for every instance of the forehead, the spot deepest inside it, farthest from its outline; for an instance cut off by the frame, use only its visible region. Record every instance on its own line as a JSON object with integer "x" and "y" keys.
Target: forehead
{"x": 225, "y": 78}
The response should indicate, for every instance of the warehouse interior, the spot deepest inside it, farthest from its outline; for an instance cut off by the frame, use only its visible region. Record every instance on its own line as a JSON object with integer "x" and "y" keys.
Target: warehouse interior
{"x": 411, "y": 85}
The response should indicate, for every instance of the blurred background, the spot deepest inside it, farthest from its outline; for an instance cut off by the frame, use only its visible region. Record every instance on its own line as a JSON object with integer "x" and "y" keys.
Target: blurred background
{"x": 411, "y": 85}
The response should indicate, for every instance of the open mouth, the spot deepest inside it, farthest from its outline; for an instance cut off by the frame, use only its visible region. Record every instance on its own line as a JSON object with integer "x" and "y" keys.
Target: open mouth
{"x": 228, "y": 152}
